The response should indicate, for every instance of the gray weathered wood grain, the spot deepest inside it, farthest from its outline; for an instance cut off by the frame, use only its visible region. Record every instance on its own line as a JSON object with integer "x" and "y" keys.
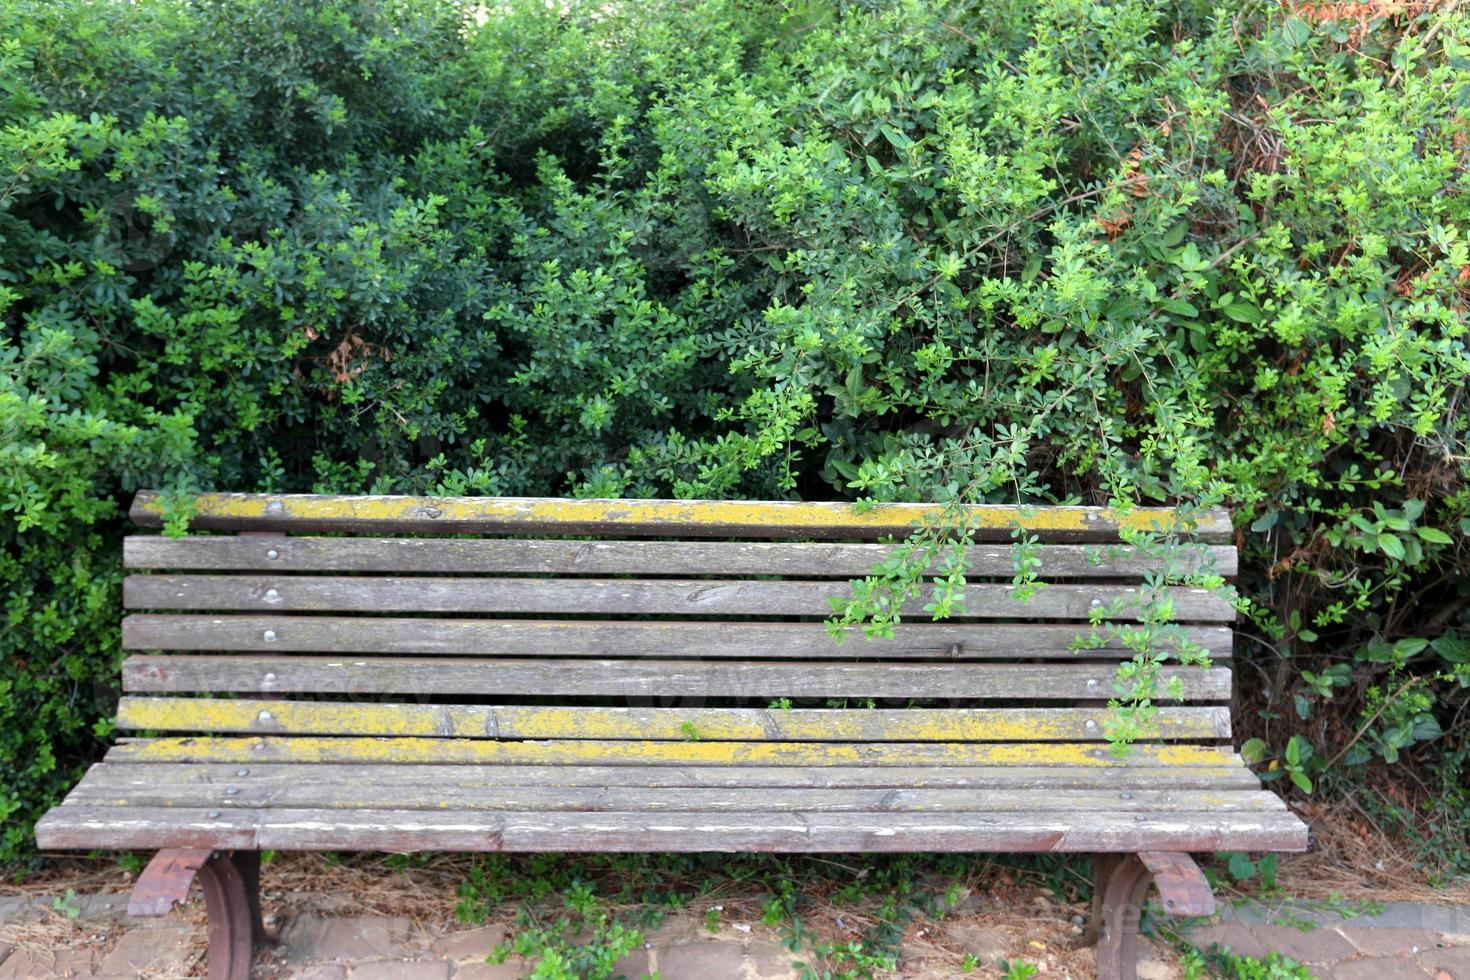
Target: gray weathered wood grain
{"x": 684, "y": 597}
{"x": 419, "y": 777}
{"x": 641, "y": 678}
{"x": 491, "y": 556}
{"x": 410, "y": 830}
{"x": 601, "y": 638}
{"x": 348, "y": 788}
{"x": 464, "y": 751}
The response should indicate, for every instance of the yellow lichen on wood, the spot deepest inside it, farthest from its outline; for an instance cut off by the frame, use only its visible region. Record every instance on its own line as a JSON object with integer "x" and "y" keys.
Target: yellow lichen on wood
{"x": 546, "y": 512}
{"x": 654, "y": 724}
{"x": 694, "y": 753}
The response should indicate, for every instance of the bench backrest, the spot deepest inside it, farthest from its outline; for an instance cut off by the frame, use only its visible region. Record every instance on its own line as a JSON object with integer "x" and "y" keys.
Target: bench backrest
{"x": 687, "y": 622}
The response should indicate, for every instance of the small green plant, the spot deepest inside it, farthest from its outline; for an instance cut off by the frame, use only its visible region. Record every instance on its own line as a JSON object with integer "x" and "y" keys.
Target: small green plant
{"x": 690, "y": 732}
{"x": 1019, "y": 969}
{"x": 1273, "y": 967}
{"x": 584, "y": 942}
{"x": 1295, "y": 761}
{"x": 67, "y": 904}
{"x": 1242, "y": 868}
{"x": 712, "y": 917}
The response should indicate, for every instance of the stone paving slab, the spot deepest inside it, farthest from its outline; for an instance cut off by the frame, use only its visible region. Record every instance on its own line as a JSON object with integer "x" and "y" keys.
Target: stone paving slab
{"x": 1399, "y": 943}
{"x": 1449, "y": 919}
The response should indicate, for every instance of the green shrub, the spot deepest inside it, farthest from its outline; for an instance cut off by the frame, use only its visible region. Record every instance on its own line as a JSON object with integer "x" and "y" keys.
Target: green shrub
{"x": 1136, "y": 252}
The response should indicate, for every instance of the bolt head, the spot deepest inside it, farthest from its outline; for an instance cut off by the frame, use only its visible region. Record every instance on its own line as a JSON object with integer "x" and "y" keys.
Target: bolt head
{"x": 232, "y": 790}
{"x": 214, "y": 814}
{"x": 272, "y": 595}
{"x": 270, "y": 678}
{"x": 1092, "y": 684}
{"x": 1096, "y": 603}
{"x": 242, "y": 772}
{"x": 266, "y": 716}
{"x": 269, "y": 636}
{"x": 273, "y": 554}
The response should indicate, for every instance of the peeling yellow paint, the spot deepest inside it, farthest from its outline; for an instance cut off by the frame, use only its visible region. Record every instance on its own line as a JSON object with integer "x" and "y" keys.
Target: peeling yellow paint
{"x": 673, "y": 514}
{"x": 714, "y": 724}
{"x": 702, "y": 753}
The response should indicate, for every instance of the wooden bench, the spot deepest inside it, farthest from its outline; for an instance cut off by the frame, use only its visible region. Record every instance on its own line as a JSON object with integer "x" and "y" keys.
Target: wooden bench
{"x": 329, "y": 678}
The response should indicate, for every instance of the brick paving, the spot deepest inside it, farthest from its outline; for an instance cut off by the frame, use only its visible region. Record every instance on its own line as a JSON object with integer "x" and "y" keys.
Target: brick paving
{"x": 1402, "y": 943}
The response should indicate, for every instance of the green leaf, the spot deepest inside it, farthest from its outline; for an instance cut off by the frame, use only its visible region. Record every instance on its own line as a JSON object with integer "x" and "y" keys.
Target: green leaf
{"x": 1391, "y": 546}
{"x": 1254, "y": 750}
{"x": 1240, "y": 866}
{"x": 1243, "y": 313}
{"x": 899, "y": 140}
{"x": 1434, "y": 535}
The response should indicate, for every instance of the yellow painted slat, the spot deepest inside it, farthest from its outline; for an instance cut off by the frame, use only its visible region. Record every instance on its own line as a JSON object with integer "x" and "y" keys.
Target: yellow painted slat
{"x": 717, "y": 517}
{"x": 699, "y": 753}
{"x": 676, "y": 724}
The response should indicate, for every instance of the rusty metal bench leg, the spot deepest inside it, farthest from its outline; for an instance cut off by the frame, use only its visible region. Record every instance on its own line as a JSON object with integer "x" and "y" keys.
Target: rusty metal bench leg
{"x": 1122, "y": 886}
{"x": 231, "y": 885}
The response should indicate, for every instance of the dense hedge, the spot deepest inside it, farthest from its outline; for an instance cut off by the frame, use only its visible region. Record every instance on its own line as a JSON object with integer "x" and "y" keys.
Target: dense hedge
{"x": 1149, "y": 250}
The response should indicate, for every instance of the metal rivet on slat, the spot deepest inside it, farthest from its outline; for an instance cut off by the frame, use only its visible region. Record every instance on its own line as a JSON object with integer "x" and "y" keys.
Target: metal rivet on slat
{"x": 242, "y": 772}
{"x": 273, "y": 554}
{"x": 258, "y": 746}
{"x": 1096, "y": 603}
{"x": 266, "y": 716}
{"x": 270, "y": 678}
{"x": 269, "y": 636}
{"x": 231, "y": 791}
{"x": 214, "y": 814}
{"x": 274, "y": 507}
{"x": 1092, "y": 684}
{"x": 271, "y": 595}
{"x": 1126, "y": 796}
{"x": 1090, "y": 724}
{"x": 1091, "y": 516}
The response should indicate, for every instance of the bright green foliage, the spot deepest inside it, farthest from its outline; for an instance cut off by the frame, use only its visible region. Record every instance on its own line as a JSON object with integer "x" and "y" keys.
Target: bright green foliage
{"x": 1174, "y": 251}
{"x": 585, "y": 942}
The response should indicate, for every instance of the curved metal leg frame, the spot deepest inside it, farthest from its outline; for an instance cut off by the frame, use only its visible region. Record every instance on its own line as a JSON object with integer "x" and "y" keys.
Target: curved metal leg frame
{"x": 231, "y": 886}
{"x": 1122, "y": 886}
{"x": 1122, "y": 909}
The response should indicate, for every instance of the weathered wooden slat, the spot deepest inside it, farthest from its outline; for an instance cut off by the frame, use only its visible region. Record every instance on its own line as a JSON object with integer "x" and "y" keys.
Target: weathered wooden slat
{"x": 492, "y": 556}
{"x": 349, "y": 791}
{"x": 686, "y": 597}
{"x": 725, "y": 724}
{"x": 416, "y": 830}
{"x": 245, "y": 673}
{"x": 672, "y": 518}
{"x": 593, "y": 638}
{"x": 428, "y": 775}
{"x": 411, "y": 751}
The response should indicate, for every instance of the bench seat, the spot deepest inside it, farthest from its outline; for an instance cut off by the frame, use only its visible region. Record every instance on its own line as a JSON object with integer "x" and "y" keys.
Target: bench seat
{"x": 254, "y": 794}
{"x": 500, "y": 674}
